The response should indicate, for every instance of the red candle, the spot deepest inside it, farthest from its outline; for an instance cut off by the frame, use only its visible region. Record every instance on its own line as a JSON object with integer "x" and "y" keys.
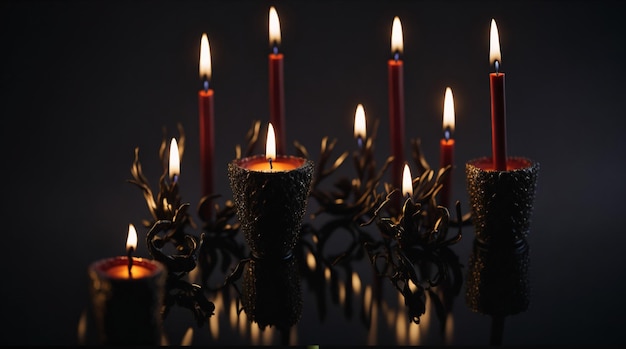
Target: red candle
{"x": 498, "y": 106}
{"x": 396, "y": 103}
{"x": 276, "y": 82}
{"x": 205, "y": 103}
{"x": 447, "y": 146}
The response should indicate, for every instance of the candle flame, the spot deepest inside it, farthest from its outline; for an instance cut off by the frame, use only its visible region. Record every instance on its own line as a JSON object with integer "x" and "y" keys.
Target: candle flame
{"x": 448, "y": 111}
{"x": 274, "y": 27}
{"x": 270, "y": 145}
{"x": 205, "y": 58}
{"x": 494, "y": 44}
{"x": 131, "y": 241}
{"x": 359, "y": 122}
{"x": 407, "y": 182}
{"x": 174, "y": 160}
{"x": 397, "y": 44}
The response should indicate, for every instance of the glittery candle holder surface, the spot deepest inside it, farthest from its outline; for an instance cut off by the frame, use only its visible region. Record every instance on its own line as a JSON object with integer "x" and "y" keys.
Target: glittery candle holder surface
{"x": 501, "y": 202}
{"x": 127, "y": 310}
{"x": 271, "y": 204}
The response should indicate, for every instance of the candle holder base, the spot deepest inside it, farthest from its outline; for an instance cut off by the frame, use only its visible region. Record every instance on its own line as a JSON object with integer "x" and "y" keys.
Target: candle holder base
{"x": 497, "y": 281}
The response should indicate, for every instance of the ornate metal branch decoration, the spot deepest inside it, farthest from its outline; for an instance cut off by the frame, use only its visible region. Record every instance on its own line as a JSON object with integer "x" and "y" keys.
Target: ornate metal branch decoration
{"x": 167, "y": 239}
{"x": 352, "y": 198}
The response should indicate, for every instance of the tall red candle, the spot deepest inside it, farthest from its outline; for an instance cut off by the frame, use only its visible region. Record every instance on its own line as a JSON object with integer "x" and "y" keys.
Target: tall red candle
{"x": 447, "y": 146}
{"x": 498, "y": 106}
{"x": 396, "y": 103}
{"x": 276, "y": 83}
{"x": 206, "y": 126}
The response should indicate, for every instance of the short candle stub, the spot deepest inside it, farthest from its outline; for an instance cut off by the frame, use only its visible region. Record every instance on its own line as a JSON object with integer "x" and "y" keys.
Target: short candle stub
{"x": 498, "y": 283}
{"x": 270, "y": 205}
{"x": 127, "y": 310}
{"x": 501, "y": 202}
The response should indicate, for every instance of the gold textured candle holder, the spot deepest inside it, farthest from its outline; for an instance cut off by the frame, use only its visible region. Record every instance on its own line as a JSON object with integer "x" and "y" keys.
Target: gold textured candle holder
{"x": 501, "y": 202}
{"x": 270, "y": 206}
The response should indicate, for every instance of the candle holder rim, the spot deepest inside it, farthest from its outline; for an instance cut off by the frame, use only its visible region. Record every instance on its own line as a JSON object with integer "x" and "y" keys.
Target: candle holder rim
{"x": 528, "y": 163}
{"x": 100, "y": 266}
{"x": 304, "y": 162}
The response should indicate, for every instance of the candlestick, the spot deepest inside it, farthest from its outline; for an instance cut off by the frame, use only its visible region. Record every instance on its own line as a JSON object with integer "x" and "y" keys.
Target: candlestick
{"x": 276, "y": 82}
{"x": 447, "y": 146}
{"x": 396, "y": 102}
{"x": 206, "y": 120}
{"x": 127, "y": 294}
{"x": 498, "y": 106}
{"x": 271, "y": 201}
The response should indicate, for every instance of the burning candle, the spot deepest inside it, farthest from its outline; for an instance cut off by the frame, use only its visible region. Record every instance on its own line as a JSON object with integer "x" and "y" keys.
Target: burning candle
{"x": 359, "y": 125}
{"x": 276, "y": 81}
{"x": 447, "y": 145}
{"x": 407, "y": 182}
{"x": 206, "y": 123}
{"x": 271, "y": 162}
{"x": 270, "y": 193}
{"x": 498, "y": 106}
{"x": 396, "y": 102}
{"x": 174, "y": 164}
{"x": 127, "y": 294}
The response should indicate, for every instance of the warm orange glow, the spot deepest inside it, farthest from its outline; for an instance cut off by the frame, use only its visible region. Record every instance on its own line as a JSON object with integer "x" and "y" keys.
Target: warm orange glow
{"x": 448, "y": 111}
{"x": 205, "y": 58}
{"x": 494, "y": 44}
{"x": 356, "y": 283}
{"x": 187, "y": 338}
{"x": 359, "y": 122}
{"x": 407, "y": 182}
{"x": 131, "y": 241}
{"x": 120, "y": 271}
{"x": 397, "y": 43}
{"x": 274, "y": 27}
{"x": 174, "y": 160}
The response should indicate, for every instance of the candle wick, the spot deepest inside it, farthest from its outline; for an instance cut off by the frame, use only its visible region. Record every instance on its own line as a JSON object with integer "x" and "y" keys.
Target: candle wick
{"x": 447, "y": 133}
{"x": 359, "y": 141}
{"x": 396, "y": 56}
{"x": 497, "y": 65}
{"x": 206, "y": 84}
{"x": 130, "y": 262}
{"x": 275, "y": 48}
{"x": 270, "y": 160}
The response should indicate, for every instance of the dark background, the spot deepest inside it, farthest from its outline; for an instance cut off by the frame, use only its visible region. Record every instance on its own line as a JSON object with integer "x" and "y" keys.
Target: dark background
{"x": 85, "y": 82}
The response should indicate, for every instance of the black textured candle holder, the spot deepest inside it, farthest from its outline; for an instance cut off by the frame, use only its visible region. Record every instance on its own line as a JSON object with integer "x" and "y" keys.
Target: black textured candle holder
{"x": 270, "y": 206}
{"x": 501, "y": 202}
{"x": 497, "y": 281}
{"x": 127, "y": 311}
{"x": 272, "y": 294}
